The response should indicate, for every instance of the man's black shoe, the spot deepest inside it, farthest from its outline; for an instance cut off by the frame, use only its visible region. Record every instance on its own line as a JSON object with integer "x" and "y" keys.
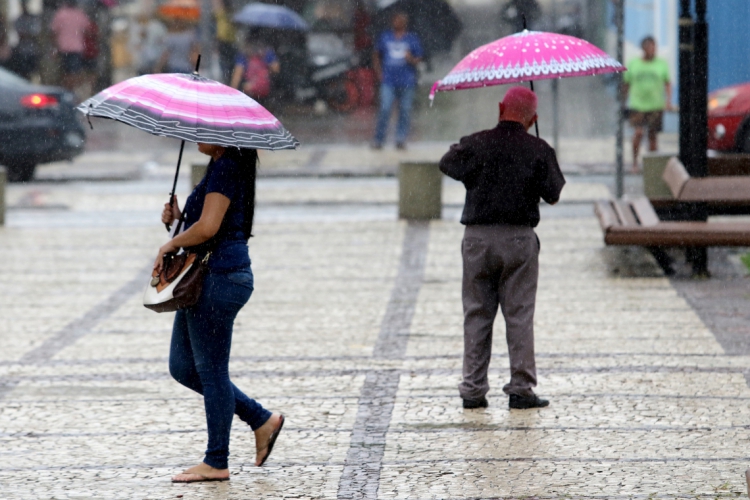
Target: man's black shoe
{"x": 471, "y": 404}
{"x": 520, "y": 403}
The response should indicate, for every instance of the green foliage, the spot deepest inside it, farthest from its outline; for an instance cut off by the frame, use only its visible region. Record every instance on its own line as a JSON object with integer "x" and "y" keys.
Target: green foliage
{"x": 746, "y": 260}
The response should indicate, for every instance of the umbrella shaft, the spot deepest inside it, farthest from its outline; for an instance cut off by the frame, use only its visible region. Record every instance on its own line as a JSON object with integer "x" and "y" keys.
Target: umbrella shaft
{"x": 176, "y": 176}
{"x": 531, "y": 82}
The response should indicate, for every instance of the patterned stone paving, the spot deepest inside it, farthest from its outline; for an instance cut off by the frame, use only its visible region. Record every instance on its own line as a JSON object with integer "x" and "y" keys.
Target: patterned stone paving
{"x": 354, "y": 332}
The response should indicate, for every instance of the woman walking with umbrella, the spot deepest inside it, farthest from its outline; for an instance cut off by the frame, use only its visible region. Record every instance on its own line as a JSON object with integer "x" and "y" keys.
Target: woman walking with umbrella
{"x": 218, "y": 220}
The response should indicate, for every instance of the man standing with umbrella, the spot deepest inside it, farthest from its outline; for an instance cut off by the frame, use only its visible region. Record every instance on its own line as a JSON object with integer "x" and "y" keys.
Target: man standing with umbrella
{"x": 506, "y": 171}
{"x": 395, "y": 60}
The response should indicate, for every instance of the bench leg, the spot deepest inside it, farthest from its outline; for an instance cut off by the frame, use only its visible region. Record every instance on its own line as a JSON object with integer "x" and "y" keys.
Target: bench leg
{"x": 664, "y": 260}
{"x": 698, "y": 256}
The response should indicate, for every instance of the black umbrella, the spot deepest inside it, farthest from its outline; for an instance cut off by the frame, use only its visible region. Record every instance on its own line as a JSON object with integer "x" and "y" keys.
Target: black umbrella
{"x": 434, "y": 21}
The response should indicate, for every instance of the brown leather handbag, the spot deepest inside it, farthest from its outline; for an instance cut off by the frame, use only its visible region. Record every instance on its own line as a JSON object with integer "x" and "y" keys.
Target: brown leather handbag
{"x": 179, "y": 284}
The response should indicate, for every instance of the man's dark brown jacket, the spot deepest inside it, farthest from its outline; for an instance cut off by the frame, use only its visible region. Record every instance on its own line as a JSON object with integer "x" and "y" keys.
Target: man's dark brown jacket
{"x": 506, "y": 172}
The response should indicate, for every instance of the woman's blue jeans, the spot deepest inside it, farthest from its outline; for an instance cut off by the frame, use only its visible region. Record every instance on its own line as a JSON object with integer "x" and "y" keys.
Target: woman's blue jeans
{"x": 388, "y": 95}
{"x": 199, "y": 359}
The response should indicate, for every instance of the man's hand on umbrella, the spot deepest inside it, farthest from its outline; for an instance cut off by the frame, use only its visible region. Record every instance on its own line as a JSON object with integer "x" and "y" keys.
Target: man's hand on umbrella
{"x": 171, "y": 213}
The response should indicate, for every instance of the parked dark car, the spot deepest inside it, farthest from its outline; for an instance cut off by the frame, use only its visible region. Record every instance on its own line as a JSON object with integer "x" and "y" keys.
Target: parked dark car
{"x": 38, "y": 124}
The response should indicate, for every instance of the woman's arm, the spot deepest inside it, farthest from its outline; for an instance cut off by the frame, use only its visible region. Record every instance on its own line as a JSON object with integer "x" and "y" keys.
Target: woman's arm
{"x": 214, "y": 209}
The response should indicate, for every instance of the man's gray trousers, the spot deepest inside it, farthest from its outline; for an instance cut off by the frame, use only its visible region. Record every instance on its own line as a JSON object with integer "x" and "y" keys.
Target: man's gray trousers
{"x": 501, "y": 268}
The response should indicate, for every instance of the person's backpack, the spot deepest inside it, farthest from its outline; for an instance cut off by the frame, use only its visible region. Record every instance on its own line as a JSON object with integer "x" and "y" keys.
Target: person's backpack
{"x": 257, "y": 78}
{"x": 91, "y": 42}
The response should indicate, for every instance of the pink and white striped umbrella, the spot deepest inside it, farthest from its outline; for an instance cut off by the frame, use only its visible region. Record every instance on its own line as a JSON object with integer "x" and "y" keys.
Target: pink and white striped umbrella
{"x": 191, "y": 108}
{"x": 526, "y": 56}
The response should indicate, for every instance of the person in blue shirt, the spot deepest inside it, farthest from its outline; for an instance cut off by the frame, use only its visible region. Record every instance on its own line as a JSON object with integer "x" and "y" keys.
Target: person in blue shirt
{"x": 254, "y": 69}
{"x": 395, "y": 60}
{"x": 218, "y": 217}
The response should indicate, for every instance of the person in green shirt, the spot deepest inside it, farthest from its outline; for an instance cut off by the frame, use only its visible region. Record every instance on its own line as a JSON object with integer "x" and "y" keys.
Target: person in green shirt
{"x": 649, "y": 89}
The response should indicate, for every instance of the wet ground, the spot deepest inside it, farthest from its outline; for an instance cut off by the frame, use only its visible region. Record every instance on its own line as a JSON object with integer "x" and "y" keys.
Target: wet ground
{"x": 354, "y": 333}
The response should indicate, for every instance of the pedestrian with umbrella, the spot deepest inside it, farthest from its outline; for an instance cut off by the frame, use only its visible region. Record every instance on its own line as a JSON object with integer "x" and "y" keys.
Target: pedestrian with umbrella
{"x": 397, "y": 54}
{"x": 254, "y": 68}
{"x": 262, "y": 15}
{"x": 215, "y": 225}
{"x": 506, "y": 172}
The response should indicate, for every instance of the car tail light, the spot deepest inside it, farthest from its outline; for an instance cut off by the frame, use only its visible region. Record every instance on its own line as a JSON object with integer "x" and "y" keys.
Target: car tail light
{"x": 38, "y": 101}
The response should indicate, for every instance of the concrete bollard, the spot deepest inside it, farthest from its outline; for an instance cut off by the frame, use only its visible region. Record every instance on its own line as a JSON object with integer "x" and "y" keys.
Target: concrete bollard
{"x": 420, "y": 191}
{"x": 197, "y": 172}
{"x": 654, "y": 186}
{"x": 3, "y": 182}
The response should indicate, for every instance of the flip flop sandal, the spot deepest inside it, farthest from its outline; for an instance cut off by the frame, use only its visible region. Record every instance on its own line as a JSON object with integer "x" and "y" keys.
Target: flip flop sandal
{"x": 200, "y": 478}
{"x": 274, "y": 435}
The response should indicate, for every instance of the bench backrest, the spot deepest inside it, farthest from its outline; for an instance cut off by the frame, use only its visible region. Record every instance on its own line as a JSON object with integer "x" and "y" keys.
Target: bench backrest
{"x": 644, "y": 211}
{"x": 675, "y": 176}
{"x": 636, "y": 212}
{"x": 724, "y": 189}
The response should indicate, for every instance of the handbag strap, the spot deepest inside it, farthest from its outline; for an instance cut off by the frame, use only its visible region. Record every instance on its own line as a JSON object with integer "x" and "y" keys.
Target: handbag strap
{"x": 180, "y": 222}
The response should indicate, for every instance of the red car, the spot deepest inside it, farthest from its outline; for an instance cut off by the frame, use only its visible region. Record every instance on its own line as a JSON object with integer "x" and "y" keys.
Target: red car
{"x": 729, "y": 119}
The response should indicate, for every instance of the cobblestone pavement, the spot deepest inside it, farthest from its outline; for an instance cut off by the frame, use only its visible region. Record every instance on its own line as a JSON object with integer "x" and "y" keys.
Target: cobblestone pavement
{"x": 354, "y": 333}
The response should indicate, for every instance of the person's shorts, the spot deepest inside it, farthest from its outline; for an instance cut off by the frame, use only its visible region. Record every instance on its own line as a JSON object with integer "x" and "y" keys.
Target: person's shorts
{"x": 71, "y": 62}
{"x": 648, "y": 119}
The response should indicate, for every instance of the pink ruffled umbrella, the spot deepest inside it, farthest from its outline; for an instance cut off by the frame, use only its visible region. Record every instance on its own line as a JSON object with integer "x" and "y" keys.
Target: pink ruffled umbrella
{"x": 525, "y": 57}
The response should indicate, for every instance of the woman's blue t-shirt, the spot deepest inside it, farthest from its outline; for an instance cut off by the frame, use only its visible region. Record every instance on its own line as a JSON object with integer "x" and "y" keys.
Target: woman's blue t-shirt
{"x": 229, "y": 252}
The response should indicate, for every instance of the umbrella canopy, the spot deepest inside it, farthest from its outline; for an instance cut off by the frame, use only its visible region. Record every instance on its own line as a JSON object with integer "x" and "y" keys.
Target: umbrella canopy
{"x": 527, "y": 56}
{"x": 434, "y": 21}
{"x": 263, "y": 15}
{"x": 191, "y": 108}
{"x": 182, "y": 10}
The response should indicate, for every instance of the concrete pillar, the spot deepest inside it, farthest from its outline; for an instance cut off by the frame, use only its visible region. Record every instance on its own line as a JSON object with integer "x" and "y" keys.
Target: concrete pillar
{"x": 3, "y": 181}
{"x": 197, "y": 172}
{"x": 420, "y": 191}
{"x": 654, "y": 186}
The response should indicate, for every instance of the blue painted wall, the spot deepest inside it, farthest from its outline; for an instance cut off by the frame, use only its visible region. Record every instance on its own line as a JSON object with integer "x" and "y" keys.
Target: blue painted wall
{"x": 728, "y": 42}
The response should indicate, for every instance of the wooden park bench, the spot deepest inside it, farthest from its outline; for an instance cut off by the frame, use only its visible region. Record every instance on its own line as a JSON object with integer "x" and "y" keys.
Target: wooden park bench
{"x": 634, "y": 222}
{"x": 716, "y": 190}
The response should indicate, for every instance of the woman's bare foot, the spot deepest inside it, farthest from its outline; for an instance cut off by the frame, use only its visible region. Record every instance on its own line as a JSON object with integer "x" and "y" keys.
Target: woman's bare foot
{"x": 201, "y": 472}
{"x": 265, "y": 437}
